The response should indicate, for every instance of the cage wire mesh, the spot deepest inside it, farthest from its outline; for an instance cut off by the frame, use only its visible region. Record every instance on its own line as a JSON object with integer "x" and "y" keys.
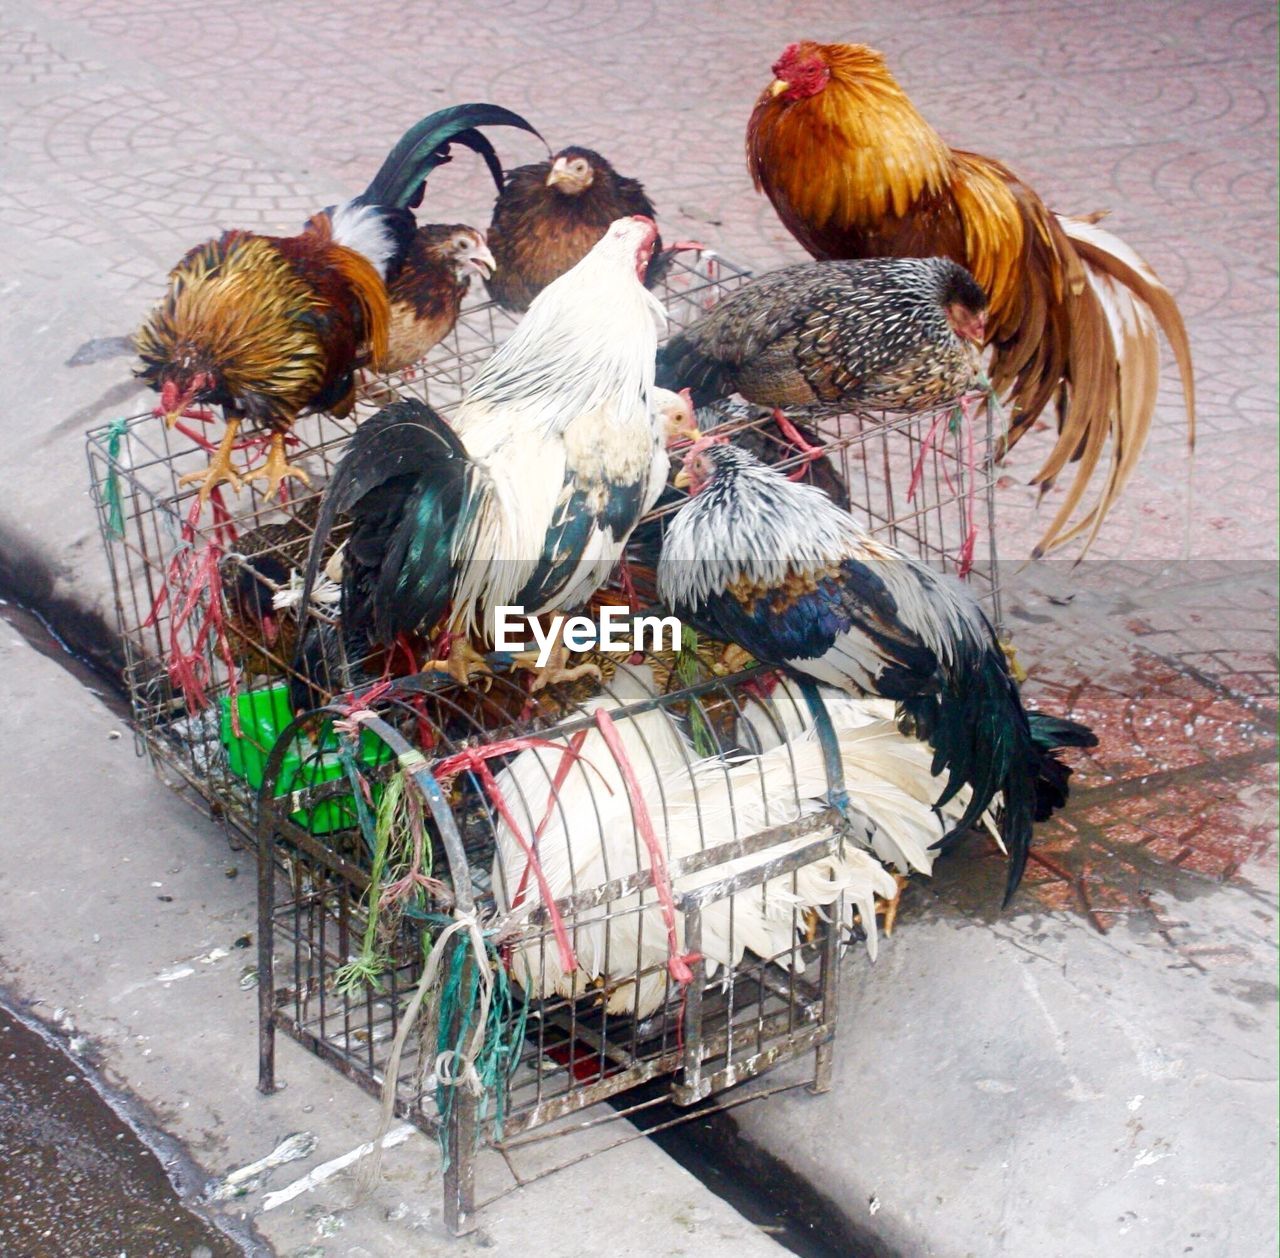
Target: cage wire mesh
{"x": 692, "y": 889}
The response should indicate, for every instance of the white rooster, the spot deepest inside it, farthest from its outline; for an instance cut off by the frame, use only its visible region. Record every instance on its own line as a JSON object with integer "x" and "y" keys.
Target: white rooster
{"x": 527, "y": 500}
{"x": 590, "y": 838}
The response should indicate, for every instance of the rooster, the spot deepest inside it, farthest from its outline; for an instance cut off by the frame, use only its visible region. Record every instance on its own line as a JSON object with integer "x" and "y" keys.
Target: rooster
{"x": 271, "y": 327}
{"x": 590, "y": 837}
{"x": 776, "y": 568}
{"x": 426, "y": 296}
{"x": 831, "y": 337}
{"x": 549, "y": 214}
{"x": 557, "y": 449}
{"x": 854, "y": 172}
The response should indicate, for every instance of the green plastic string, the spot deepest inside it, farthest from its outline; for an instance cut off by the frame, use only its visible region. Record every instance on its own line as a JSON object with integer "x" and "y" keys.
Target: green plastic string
{"x": 687, "y": 669}
{"x": 503, "y": 1037}
{"x": 111, "y": 485}
{"x": 366, "y": 968}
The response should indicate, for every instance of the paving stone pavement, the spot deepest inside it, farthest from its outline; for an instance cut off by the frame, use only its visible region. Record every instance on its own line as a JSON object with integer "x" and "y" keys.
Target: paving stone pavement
{"x": 132, "y": 130}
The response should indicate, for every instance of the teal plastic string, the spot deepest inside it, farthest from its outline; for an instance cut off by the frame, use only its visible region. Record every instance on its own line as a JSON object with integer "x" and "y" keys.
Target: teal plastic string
{"x": 503, "y": 1037}
{"x": 111, "y": 486}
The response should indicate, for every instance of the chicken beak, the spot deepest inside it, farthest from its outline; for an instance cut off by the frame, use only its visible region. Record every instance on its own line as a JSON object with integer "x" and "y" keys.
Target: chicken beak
{"x": 482, "y": 261}
{"x": 172, "y": 417}
{"x": 557, "y": 172}
{"x": 683, "y": 480}
{"x": 777, "y": 87}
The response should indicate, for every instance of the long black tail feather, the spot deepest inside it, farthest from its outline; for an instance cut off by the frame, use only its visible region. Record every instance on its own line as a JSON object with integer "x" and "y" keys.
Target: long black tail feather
{"x": 983, "y": 737}
{"x": 399, "y": 181}
{"x": 404, "y": 481}
{"x": 1052, "y": 780}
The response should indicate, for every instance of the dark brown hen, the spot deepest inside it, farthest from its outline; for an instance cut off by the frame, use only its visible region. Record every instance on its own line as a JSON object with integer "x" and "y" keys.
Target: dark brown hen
{"x": 831, "y": 337}
{"x": 549, "y": 215}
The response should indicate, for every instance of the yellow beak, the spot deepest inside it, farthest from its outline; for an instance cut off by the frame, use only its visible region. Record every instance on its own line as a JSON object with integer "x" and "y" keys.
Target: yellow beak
{"x": 682, "y": 480}
{"x": 171, "y": 418}
{"x": 777, "y": 87}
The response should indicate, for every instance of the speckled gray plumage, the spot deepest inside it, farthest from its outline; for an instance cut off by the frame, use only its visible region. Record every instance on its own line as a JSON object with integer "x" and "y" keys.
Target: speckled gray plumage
{"x": 828, "y": 337}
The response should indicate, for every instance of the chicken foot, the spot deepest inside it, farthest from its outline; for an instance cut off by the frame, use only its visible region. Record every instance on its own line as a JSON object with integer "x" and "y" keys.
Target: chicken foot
{"x": 219, "y": 468}
{"x": 554, "y": 671}
{"x": 890, "y": 907}
{"x": 277, "y": 468}
{"x": 461, "y": 663}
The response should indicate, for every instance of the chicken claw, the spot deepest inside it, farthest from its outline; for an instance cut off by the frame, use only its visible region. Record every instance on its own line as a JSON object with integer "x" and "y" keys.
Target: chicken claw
{"x": 219, "y": 468}
{"x": 277, "y": 468}
{"x": 555, "y": 671}
{"x": 461, "y": 663}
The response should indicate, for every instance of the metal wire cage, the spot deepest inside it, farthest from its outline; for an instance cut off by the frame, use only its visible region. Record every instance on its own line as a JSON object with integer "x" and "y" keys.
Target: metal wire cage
{"x": 704, "y": 975}
{"x": 594, "y": 930}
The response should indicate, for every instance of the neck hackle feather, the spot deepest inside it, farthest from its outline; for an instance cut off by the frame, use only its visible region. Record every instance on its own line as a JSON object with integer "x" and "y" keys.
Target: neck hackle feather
{"x": 854, "y": 171}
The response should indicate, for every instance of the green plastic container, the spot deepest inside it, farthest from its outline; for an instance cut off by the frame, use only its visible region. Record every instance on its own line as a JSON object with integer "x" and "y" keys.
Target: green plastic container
{"x": 264, "y": 715}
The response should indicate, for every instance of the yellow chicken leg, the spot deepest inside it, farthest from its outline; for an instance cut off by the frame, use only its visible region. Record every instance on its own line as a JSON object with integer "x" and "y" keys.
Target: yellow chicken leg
{"x": 890, "y": 907}
{"x": 555, "y": 670}
{"x": 463, "y": 661}
{"x": 219, "y": 468}
{"x": 277, "y": 469}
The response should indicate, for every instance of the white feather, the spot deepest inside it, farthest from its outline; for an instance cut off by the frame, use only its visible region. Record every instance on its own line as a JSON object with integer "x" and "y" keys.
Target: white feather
{"x": 591, "y": 838}
{"x": 363, "y": 229}
{"x": 573, "y": 385}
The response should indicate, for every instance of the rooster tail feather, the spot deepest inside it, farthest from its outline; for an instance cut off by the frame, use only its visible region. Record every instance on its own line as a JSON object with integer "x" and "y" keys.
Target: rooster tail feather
{"x": 399, "y": 181}
{"x": 477, "y": 143}
{"x": 406, "y": 439}
{"x": 1128, "y": 306}
{"x": 981, "y": 739}
{"x": 1048, "y": 733}
{"x": 1020, "y": 796}
{"x": 1108, "y": 254}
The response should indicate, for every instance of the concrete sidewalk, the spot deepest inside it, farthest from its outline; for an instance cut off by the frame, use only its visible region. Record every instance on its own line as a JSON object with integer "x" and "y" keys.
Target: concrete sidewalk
{"x": 124, "y": 930}
{"x": 1092, "y": 1072}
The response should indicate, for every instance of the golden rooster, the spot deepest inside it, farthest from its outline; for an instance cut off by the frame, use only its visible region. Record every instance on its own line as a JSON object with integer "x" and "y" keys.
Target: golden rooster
{"x": 854, "y": 171}
{"x": 273, "y": 327}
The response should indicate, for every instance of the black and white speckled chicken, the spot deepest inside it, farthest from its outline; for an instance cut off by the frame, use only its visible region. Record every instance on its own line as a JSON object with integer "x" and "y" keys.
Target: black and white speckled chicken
{"x": 884, "y": 334}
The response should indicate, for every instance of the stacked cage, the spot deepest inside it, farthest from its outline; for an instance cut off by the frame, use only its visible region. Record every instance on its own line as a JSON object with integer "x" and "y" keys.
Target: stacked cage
{"x": 652, "y": 880}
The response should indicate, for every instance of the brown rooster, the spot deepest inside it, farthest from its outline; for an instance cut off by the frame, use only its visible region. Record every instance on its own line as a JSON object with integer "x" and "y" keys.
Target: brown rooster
{"x": 271, "y": 327}
{"x": 427, "y": 294}
{"x": 549, "y": 215}
{"x": 854, "y": 171}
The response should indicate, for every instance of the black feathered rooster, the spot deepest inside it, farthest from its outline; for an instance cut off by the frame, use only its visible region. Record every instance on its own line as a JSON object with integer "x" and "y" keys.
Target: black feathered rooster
{"x": 776, "y": 568}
